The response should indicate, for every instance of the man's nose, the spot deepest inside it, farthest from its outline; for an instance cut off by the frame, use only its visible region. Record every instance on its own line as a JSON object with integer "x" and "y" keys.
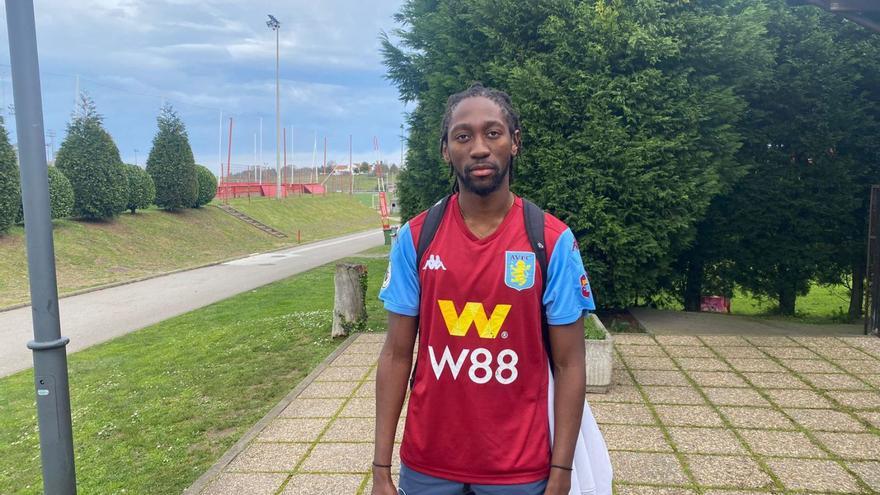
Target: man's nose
{"x": 479, "y": 148}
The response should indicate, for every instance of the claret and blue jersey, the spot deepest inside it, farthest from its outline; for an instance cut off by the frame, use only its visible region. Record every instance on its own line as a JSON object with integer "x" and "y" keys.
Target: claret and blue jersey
{"x": 478, "y": 408}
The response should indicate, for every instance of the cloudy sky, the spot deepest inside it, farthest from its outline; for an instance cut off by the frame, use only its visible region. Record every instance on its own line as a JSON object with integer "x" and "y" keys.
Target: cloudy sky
{"x": 211, "y": 56}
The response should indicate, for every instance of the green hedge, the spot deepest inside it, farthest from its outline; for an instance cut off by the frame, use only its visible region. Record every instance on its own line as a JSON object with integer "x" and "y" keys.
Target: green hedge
{"x": 61, "y": 197}
{"x": 141, "y": 190}
{"x": 207, "y": 186}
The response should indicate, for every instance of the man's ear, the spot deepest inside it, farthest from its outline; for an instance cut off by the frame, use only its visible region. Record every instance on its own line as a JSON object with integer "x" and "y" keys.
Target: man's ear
{"x": 445, "y": 152}
{"x": 514, "y": 149}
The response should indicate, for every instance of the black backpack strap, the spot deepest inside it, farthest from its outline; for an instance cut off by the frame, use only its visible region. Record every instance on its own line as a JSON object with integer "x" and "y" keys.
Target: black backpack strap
{"x": 534, "y": 219}
{"x": 426, "y": 235}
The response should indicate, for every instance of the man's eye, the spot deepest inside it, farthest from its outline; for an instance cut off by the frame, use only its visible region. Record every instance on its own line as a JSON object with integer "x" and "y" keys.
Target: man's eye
{"x": 494, "y": 134}
{"x": 462, "y": 137}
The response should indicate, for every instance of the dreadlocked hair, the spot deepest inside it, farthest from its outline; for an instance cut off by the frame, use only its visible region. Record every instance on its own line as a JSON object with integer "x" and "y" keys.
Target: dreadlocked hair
{"x": 476, "y": 89}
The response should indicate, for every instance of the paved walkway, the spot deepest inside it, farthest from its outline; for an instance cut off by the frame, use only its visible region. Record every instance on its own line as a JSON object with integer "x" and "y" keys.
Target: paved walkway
{"x": 95, "y": 317}
{"x": 662, "y": 322}
{"x": 720, "y": 415}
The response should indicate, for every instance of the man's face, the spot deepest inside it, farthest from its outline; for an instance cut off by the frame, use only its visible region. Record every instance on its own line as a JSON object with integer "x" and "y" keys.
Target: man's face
{"x": 480, "y": 146}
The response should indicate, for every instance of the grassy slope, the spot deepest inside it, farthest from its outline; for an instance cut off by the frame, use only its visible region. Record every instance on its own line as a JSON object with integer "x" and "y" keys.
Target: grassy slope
{"x": 90, "y": 254}
{"x": 316, "y": 217}
{"x": 154, "y": 409}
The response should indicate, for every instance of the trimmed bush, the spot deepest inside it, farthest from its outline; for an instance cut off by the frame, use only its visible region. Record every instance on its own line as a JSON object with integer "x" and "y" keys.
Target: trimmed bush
{"x": 207, "y": 186}
{"x": 171, "y": 163}
{"x": 90, "y": 160}
{"x": 10, "y": 189}
{"x": 141, "y": 190}
{"x": 61, "y": 197}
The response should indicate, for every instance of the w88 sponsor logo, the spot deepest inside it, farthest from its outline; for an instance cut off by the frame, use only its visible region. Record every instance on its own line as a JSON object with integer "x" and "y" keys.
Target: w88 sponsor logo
{"x": 480, "y": 370}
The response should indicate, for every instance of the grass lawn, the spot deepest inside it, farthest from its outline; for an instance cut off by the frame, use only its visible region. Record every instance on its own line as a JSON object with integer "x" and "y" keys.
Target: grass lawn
{"x": 316, "y": 217}
{"x": 90, "y": 254}
{"x": 154, "y": 409}
{"x": 823, "y": 304}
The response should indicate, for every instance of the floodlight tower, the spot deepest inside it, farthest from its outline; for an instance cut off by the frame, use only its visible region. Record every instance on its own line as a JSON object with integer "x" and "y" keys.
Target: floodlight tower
{"x": 274, "y": 25}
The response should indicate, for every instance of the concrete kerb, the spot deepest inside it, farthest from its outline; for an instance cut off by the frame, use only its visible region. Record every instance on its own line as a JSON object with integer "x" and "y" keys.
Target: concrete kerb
{"x": 179, "y": 270}
{"x": 215, "y": 470}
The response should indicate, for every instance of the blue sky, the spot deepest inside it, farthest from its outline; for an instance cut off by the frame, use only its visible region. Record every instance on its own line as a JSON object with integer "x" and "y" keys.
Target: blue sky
{"x": 211, "y": 56}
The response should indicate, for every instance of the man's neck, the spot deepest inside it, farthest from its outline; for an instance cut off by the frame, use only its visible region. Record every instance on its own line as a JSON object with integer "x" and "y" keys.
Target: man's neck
{"x": 483, "y": 214}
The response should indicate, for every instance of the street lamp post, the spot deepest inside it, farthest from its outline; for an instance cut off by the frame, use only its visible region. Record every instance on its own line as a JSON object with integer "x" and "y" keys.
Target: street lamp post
{"x": 49, "y": 347}
{"x": 276, "y": 26}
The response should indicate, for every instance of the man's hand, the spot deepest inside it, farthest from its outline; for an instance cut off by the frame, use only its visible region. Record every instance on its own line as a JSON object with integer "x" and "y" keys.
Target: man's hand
{"x": 382, "y": 483}
{"x": 559, "y": 482}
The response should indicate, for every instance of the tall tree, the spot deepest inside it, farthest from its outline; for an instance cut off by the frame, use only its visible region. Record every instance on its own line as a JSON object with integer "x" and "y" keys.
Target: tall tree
{"x": 10, "y": 188}
{"x": 798, "y": 215}
{"x": 628, "y": 114}
{"x": 89, "y": 158}
{"x": 171, "y": 163}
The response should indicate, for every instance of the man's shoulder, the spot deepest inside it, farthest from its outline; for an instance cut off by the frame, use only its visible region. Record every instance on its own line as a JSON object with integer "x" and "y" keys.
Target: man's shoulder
{"x": 415, "y": 225}
{"x": 553, "y": 226}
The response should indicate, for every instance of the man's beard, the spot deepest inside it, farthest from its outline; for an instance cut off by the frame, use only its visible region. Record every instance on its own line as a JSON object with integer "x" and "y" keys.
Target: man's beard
{"x": 465, "y": 182}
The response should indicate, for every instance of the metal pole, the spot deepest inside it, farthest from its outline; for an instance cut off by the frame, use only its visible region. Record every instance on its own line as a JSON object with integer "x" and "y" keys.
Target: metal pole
{"x": 350, "y": 170}
{"x": 277, "y": 115}
{"x": 50, "y": 356}
{"x": 872, "y": 322}
{"x": 285, "y": 152}
{"x": 220, "y": 146}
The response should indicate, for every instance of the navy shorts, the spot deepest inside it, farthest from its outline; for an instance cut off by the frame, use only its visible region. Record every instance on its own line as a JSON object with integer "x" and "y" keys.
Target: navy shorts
{"x": 416, "y": 483}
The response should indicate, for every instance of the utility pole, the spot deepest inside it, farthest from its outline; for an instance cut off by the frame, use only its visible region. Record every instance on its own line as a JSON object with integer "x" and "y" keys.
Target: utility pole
{"x": 220, "y": 146}
{"x": 48, "y": 346}
{"x": 276, "y": 26}
{"x": 350, "y": 171}
{"x": 51, "y": 147}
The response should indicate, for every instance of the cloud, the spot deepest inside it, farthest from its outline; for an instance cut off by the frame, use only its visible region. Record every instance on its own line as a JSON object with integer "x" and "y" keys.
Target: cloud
{"x": 212, "y": 56}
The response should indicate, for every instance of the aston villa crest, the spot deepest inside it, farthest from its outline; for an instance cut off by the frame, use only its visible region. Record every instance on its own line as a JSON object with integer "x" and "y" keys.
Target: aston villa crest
{"x": 519, "y": 269}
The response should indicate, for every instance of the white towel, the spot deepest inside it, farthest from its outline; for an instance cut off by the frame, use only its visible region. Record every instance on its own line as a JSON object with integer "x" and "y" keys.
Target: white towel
{"x": 591, "y": 470}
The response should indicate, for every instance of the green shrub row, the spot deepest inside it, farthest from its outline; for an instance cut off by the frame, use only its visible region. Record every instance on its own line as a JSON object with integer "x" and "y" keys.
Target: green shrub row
{"x": 89, "y": 180}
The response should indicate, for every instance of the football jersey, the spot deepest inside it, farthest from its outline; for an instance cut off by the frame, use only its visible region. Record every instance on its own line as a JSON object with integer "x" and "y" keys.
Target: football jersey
{"x": 477, "y": 411}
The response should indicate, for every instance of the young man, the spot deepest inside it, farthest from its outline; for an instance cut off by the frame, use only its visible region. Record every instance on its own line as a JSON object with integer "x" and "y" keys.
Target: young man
{"x": 477, "y": 420}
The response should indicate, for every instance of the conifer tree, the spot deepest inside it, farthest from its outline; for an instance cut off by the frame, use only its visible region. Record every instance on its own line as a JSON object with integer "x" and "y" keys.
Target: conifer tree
{"x": 171, "y": 163}
{"x": 90, "y": 160}
{"x": 9, "y": 181}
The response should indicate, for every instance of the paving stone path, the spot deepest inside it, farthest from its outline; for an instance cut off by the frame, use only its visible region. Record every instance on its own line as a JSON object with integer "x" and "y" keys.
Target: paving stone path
{"x": 719, "y": 415}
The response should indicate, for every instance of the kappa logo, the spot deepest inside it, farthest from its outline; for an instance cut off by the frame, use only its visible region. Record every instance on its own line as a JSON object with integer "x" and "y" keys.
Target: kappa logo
{"x": 434, "y": 263}
{"x": 474, "y": 314}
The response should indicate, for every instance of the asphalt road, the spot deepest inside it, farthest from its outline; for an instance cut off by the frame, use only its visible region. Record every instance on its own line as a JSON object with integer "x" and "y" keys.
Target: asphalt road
{"x": 98, "y": 316}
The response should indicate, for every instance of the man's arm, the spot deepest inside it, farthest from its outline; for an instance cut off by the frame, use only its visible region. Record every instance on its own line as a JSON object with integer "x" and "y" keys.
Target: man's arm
{"x": 392, "y": 376}
{"x": 567, "y": 345}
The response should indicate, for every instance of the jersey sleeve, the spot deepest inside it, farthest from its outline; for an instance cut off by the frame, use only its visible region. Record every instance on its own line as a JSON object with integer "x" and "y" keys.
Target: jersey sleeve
{"x": 400, "y": 289}
{"x": 568, "y": 294}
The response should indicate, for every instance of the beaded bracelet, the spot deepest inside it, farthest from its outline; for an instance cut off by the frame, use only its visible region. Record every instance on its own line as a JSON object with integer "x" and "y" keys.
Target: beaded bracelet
{"x": 381, "y": 465}
{"x": 557, "y": 466}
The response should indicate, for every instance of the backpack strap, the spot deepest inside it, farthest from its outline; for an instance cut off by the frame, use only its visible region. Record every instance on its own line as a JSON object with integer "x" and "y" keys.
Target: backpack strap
{"x": 426, "y": 235}
{"x": 429, "y": 228}
{"x": 534, "y": 220}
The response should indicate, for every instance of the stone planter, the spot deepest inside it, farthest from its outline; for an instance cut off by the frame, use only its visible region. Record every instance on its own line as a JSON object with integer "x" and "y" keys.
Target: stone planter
{"x": 599, "y": 360}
